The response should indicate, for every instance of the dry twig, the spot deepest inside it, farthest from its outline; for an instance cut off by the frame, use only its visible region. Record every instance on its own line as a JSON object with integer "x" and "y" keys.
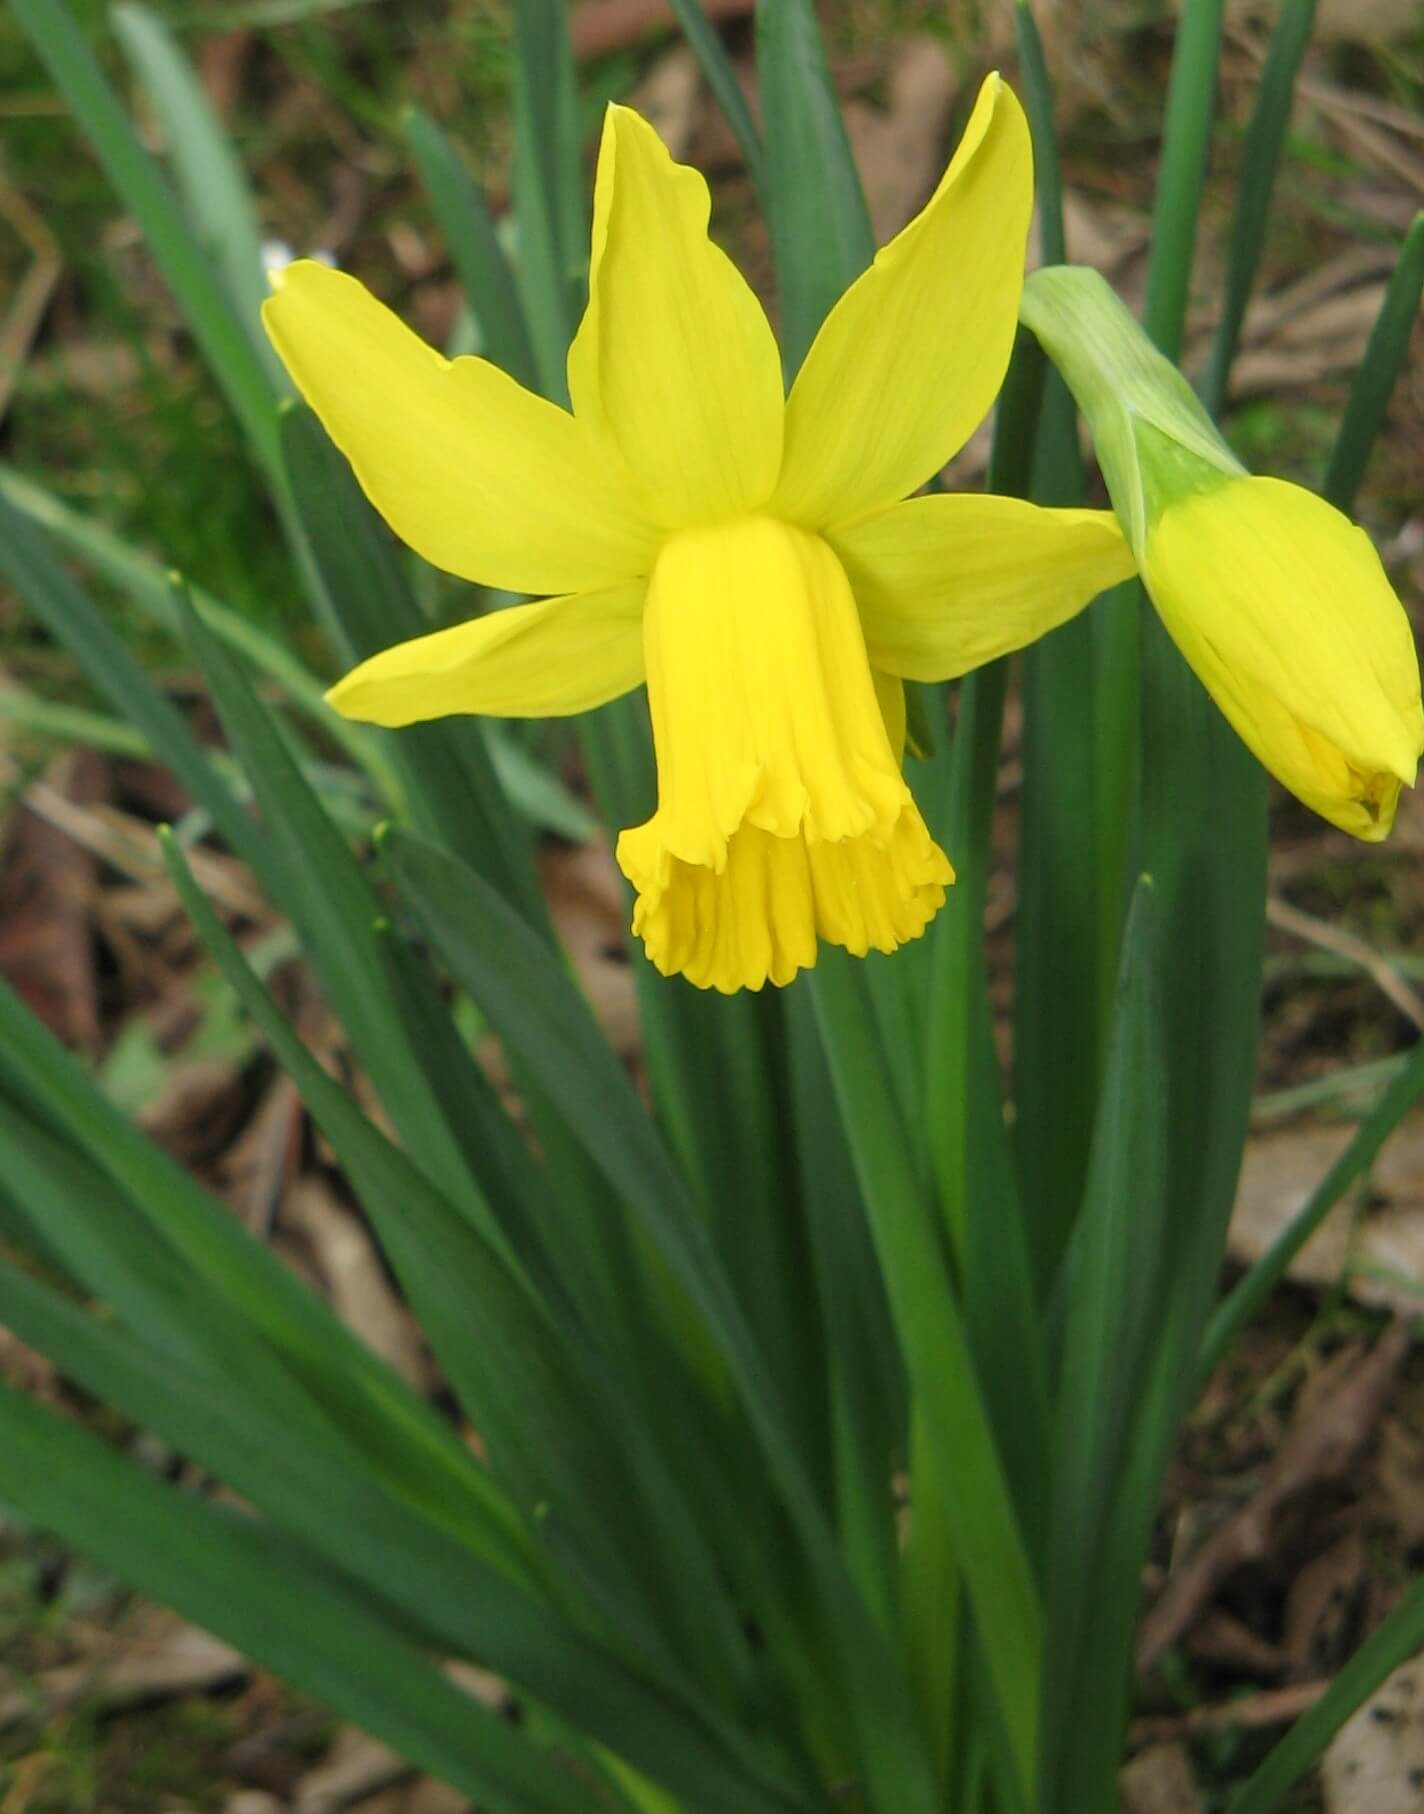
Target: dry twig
{"x": 1324, "y": 1441}
{"x": 1326, "y": 937}
{"x": 1273, "y": 1707}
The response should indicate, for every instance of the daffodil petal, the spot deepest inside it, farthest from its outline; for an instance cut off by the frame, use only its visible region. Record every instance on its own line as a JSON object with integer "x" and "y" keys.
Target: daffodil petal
{"x": 1282, "y": 607}
{"x": 674, "y": 361}
{"x": 946, "y": 583}
{"x": 908, "y": 362}
{"x": 543, "y": 660}
{"x": 477, "y": 474}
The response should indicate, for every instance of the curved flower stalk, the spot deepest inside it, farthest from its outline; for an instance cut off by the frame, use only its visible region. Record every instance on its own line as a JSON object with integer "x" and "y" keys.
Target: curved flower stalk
{"x": 1276, "y": 599}
{"x": 745, "y": 552}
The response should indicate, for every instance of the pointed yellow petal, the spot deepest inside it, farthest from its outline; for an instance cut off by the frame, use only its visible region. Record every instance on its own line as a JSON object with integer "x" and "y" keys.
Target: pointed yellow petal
{"x": 949, "y": 582}
{"x": 782, "y": 813}
{"x": 477, "y": 474}
{"x": 908, "y": 362}
{"x": 1282, "y": 607}
{"x": 530, "y": 661}
{"x": 674, "y": 360}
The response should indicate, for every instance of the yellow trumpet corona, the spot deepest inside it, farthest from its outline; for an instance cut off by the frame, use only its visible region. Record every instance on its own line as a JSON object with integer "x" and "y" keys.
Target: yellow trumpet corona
{"x": 746, "y": 553}
{"x": 1279, "y": 603}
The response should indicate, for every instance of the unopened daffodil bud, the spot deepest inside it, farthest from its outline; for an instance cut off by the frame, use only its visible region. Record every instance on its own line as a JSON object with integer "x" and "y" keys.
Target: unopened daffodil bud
{"x": 1277, "y": 600}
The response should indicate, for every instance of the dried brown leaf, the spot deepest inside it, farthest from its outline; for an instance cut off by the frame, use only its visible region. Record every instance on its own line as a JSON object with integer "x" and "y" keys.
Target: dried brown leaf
{"x": 355, "y": 1279}
{"x": 46, "y": 903}
{"x": 197, "y": 1111}
{"x": 164, "y": 1658}
{"x": 1160, "y": 1781}
{"x": 1221, "y": 1638}
{"x": 260, "y": 1163}
{"x": 424, "y": 1797}
{"x": 588, "y": 903}
{"x": 1375, "y": 1763}
{"x": 354, "y": 1768}
{"x": 1322, "y": 1607}
{"x": 599, "y": 26}
{"x": 1334, "y": 1417}
{"x": 1381, "y": 1254}
{"x": 672, "y": 99}
{"x": 1399, "y": 1480}
{"x": 1276, "y": 1707}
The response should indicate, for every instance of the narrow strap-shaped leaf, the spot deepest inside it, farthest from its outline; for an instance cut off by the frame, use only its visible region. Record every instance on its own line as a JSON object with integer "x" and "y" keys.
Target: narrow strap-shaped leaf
{"x": 981, "y": 1523}
{"x": 542, "y": 1020}
{"x": 862, "y": 1372}
{"x": 465, "y": 1607}
{"x": 976, "y": 1187}
{"x": 1203, "y": 819}
{"x": 548, "y": 205}
{"x": 718, "y": 1092}
{"x": 589, "y": 1255}
{"x": 714, "y": 1072}
{"x": 316, "y": 879}
{"x": 184, "y": 263}
{"x": 1111, "y": 1281}
{"x": 534, "y": 791}
{"x": 210, "y": 179}
{"x": 1039, "y": 106}
{"x": 820, "y": 226}
{"x": 1204, "y": 843}
{"x": 1099, "y": 671}
{"x": 36, "y": 1068}
{"x": 537, "y": 1011}
{"x": 68, "y": 614}
{"x": 963, "y": 811}
{"x": 251, "y": 1586}
{"x": 1186, "y": 142}
{"x": 721, "y": 78}
{"x": 1374, "y": 382}
{"x": 149, "y": 587}
{"x": 1250, "y": 217}
{"x": 473, "y": 246}
{"x": 341, "y": 1371}
{"x": 513, "y": 1180}
{"x": 73, "y": 724}
{"x": 1058, "y": 1000}
{"x": 1058, "y": 995}
{"x": 548, "y": 1417}
{"x": 106, "y": 1246}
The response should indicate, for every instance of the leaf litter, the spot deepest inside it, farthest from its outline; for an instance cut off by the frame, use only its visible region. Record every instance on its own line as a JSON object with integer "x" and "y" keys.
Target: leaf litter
{"x": 1268, "y": 1571}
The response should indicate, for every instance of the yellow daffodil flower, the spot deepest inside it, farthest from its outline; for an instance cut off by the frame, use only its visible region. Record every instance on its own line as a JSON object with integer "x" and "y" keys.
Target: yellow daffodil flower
{"x": 744, "y": 552}
{"x": 1277, "y": 600}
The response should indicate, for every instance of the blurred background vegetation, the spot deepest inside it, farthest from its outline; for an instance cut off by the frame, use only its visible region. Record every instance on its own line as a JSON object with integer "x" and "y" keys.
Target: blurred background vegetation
{"x": 99, "y": 392}
{"x": 103, "y": 1704}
